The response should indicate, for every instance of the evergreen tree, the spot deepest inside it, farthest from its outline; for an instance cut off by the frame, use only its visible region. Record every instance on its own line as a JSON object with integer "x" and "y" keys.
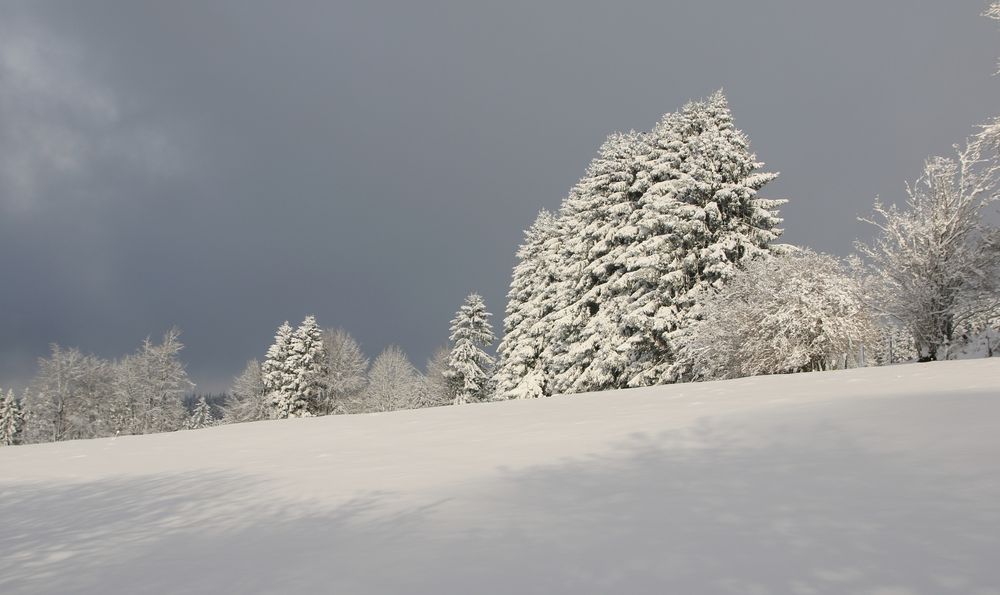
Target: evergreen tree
{"x": 659, "y": 220}
{"x": 294, "y": 371}
{"x": 201, "y": 417}
{"x": 308, "y": 362}
{"x": 11, "y": 419}
{"x": 699, "y": 222}
{"x": 528, "y": 303}
{"x": 279, "y": 378}
{"x": 469, "y": 366}
{"x": 586, "y": 348}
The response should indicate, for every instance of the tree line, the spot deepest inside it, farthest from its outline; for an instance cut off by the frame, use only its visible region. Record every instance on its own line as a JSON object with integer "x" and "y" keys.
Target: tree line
{"x": 662, "y": 265}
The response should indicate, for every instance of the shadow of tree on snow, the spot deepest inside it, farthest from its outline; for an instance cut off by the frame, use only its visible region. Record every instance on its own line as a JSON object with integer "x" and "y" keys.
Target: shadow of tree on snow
{"x": 699, "y": 511}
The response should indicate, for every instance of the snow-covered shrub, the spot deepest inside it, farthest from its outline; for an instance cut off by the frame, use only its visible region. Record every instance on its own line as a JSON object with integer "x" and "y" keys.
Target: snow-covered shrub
{"x": 792, "y": 313}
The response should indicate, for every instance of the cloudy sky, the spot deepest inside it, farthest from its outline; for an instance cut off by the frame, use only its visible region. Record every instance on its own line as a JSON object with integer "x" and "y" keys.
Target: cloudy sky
{"x": 225, "y": 165}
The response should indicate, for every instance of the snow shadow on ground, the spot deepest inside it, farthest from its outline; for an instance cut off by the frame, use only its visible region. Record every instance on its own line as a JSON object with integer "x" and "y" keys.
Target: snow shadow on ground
{"x": 699, "y": 511}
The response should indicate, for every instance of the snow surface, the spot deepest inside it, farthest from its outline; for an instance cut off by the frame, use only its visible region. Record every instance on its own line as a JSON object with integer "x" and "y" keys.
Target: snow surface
{"x": 882, "y": 480}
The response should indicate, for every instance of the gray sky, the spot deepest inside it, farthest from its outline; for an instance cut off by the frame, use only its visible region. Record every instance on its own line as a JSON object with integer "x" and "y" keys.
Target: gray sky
{"x": 224, "y": 166}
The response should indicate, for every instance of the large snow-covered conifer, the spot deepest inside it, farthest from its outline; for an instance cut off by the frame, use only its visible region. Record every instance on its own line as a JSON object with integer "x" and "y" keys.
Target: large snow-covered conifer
{"x": 659, "y": 220}
{"x": 586, "y": 347}
{"x": 469, "y": 366}
{"x": 519, "y": 372}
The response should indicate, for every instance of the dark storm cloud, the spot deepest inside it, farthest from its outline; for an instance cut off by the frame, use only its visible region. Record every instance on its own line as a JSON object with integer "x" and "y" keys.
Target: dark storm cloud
{"x": 224, "y": 166}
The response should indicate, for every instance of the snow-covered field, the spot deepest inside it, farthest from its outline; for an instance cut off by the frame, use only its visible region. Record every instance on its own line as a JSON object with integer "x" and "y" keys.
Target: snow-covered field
{"x": 882, "y": 481}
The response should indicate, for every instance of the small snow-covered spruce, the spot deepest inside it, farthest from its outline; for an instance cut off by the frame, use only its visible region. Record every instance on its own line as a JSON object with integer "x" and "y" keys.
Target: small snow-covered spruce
{"x": 469, "y": 366}
{"x": 792, "y": 313}
{"x": 11, "y": 419}
{"x": 308, "y": 362}
{"x": 294, "y": 371}
{"x": 393, "y": 383}
{"x": 346, "y": 369}
{"x": 247, "y": 400}
{"x": 201, "y": 416}
{"x": 935, "y": 263}
{"x": 279, "y": 378}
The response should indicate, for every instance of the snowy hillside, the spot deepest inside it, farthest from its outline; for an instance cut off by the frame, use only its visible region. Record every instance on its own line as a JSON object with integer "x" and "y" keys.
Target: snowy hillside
{"x": 883, "y": 481}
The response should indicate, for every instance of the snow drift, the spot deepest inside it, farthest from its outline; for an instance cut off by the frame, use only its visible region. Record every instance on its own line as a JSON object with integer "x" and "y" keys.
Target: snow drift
{"x": 881, "y": 480}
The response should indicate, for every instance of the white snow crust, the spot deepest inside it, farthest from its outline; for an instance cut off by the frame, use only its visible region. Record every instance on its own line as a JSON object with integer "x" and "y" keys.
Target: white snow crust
{"x": 883, "y": 481}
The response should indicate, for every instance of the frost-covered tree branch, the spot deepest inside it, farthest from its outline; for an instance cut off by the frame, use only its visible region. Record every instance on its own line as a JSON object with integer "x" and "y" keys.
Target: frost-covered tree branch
{"x": 935, "y": 261}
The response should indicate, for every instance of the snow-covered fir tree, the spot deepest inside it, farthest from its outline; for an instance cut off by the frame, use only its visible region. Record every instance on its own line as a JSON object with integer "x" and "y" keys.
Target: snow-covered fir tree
{"x": 700, "y": 220}
{"x": 201, "y": 416}
{"x": 586, "y": 349}
{"x": 469, "y": 365}
{"x": 294, "y": 371}
{"x": 346, "y": 373}
{"x": 308, "y": 361}
{"x": 11, "y": 419}
{"x": 659, "y": 220}
{"x": 279, "y": 377}
{"x": 518, "y": 374}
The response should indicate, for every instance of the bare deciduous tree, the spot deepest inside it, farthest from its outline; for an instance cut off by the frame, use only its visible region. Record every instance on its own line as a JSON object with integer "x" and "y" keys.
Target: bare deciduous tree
{"x": 935, "y": 262}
